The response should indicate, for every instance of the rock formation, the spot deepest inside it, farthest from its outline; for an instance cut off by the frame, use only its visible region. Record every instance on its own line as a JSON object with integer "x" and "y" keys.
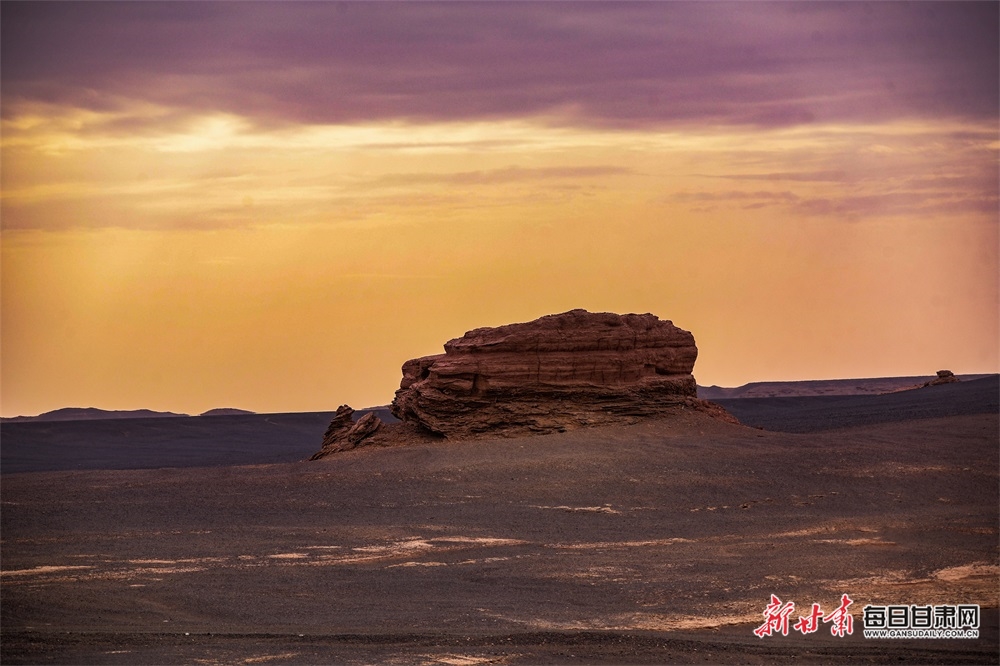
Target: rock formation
{"x": 557, "y": 373}
{"x": 344, "y": 433}
{"x": 943, "y": 377}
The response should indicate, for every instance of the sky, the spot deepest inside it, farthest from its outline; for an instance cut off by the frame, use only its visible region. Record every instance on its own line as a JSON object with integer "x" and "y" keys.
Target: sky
{"x": 272, "y": 206}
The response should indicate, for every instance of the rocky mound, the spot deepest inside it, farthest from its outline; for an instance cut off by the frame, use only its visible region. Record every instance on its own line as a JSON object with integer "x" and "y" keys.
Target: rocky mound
{"x": 556, "y": 373}
{"x": 943, "y": 377}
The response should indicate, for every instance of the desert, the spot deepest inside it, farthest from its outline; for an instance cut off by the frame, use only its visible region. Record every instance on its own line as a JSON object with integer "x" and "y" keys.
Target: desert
{"x": 656, "y": 538}
{"x": 499, "y": 332}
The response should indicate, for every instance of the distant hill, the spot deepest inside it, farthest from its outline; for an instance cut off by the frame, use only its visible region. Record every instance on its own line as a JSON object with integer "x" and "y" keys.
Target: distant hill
{"x": 91, "y": 414}
{"x": 258, "y": 439}
{"x": 815, "y": 413}
{"x": 874, "y": 386}
{"x": 226, "y": 411}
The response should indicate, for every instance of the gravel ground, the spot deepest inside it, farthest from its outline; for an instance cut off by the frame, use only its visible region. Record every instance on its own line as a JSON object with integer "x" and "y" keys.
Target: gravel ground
{"x": 655, "y": 543}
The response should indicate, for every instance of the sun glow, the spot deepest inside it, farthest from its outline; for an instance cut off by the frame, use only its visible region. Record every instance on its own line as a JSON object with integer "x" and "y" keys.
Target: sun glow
{"x": 294, "y": 268}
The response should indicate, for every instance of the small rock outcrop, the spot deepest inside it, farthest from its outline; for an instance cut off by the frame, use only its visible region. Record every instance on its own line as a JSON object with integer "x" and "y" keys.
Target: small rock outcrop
{"x": 943, "y": 377}
{"x": 556, "y": 373}
{"x": 344, "y": 433}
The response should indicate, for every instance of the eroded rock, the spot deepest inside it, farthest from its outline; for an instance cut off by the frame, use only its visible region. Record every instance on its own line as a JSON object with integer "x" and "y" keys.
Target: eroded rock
{"x": 553, "y": 374}
{"x": 943, "y": 377}
{"x": 556, "y": 373}
{"x": 344, "y": 433}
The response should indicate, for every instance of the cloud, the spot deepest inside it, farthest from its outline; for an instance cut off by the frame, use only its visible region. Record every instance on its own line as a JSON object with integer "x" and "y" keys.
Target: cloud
{"x": 827, "y": 176}
{"x": 505, "y": 175}
{"x": 896, "y": 204}
{"x": 846, "y": 206}
{"x": 754, "y": 197}
{"x": 613, "y": 65}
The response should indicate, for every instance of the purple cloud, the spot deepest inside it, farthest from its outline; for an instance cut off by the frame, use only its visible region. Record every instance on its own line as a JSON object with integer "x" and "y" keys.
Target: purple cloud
{"x": 614, "y": 64}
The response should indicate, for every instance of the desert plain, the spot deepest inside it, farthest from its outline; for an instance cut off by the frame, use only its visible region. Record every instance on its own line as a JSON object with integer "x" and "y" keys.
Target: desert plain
{"x": 657, "y": 542}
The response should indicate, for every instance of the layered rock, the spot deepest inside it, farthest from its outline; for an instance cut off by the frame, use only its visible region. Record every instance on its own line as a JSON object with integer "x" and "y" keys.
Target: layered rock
{"x": 555, "y": 373}
{"x": 344, "y": 434}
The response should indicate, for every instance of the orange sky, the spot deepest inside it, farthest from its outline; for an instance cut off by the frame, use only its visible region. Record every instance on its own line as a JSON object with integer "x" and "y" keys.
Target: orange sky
{"x": 189, "y": 258}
